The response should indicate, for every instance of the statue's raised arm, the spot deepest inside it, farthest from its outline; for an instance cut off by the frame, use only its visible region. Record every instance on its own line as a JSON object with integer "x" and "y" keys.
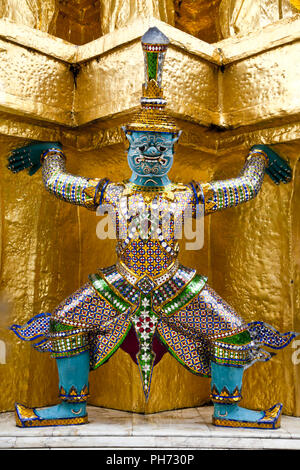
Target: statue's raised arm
{"x": 74, "y": 189}
{"x": 218, "y": 195}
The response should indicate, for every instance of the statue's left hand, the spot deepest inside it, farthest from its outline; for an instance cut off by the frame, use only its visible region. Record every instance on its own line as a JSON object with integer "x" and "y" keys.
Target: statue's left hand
{"x": 278, "y": 169}
{"x": 29, "y": 156}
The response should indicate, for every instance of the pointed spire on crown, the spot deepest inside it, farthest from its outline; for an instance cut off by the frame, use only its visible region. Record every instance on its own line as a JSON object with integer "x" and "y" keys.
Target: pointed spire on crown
{"x": 152, "y": 116}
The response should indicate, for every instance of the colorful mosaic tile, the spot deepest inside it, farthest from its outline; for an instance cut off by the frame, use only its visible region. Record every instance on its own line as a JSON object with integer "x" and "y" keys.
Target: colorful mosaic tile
{"x": 144, "y": 321}
{"x": 218, "y": 195}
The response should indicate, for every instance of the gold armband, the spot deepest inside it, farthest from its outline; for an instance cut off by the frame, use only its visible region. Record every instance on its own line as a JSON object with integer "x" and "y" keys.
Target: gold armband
{"x": 205, "y": 195}
{"x": 94, "y": 192}
{"x": 256, "y": 152}
{"x": 50, "y": 152}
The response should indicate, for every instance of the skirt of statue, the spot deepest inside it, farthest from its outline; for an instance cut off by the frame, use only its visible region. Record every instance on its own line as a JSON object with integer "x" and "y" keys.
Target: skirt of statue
{"x": 187, "y": 334}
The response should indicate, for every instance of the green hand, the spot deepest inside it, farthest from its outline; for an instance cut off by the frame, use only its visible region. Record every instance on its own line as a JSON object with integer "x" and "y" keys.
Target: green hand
{"x": 29, "y": 156}
{"x": 278, "y": 169}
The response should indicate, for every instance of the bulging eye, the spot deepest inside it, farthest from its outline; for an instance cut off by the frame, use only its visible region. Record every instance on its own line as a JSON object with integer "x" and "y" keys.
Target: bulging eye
{"x": 142, "y": 148}
{"x": 161, "y": 148}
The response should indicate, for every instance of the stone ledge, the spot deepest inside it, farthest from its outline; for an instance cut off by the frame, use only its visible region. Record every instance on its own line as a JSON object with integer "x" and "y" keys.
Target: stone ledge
{"x": 190, "y": 428}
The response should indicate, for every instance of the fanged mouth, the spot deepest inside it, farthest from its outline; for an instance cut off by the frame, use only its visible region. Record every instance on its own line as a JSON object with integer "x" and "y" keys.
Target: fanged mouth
{"x": 149, "y": 159}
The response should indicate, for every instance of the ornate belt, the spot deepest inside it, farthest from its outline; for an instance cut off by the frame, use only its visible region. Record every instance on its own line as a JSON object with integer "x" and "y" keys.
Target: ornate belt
{"x": 158, "y": 281}
{"x": 162, "y": 287}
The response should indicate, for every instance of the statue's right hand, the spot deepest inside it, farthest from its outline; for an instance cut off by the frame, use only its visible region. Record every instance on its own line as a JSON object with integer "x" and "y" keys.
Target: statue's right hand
{"x": 29, "y": 156}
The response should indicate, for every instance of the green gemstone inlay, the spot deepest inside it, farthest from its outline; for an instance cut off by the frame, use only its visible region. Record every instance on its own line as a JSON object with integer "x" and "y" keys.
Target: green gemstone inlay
{"x": 56, "y": 326}
{"x": 105, "y": 290}
{"x": 152, "y": 65}
{"x": 240, "y": 338}
{"x": 190, "y": 291}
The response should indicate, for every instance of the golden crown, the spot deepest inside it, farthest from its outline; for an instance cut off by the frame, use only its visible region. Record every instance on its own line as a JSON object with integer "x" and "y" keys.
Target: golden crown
{"x": 152, "y": 115}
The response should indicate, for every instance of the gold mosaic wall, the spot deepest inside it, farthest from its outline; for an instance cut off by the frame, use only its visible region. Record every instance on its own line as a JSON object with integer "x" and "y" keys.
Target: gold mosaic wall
{"x": 225, "y": 100}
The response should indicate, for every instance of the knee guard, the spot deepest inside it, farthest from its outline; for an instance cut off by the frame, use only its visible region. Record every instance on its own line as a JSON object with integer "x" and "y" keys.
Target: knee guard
{"x": 67, "y": 341}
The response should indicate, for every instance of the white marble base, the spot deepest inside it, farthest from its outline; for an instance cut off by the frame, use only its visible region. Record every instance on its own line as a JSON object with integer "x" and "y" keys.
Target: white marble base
{"x": 181, "y": 429}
